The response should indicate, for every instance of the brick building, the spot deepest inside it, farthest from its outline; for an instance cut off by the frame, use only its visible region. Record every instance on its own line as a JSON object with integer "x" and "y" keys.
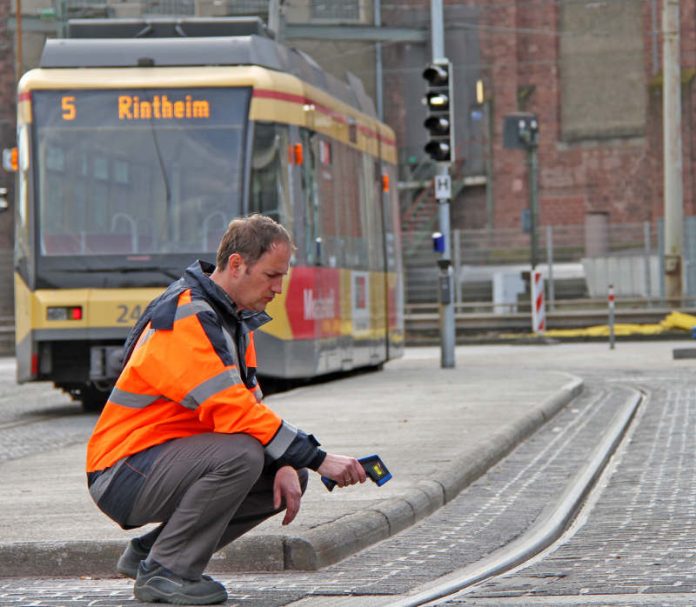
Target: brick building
{"x": 7, "y": 114}
{"x": 591, "y": 72}
{"x": 7, "y": 139}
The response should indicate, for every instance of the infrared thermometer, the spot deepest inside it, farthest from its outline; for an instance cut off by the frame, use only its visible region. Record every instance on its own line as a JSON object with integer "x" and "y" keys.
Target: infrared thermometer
{"x": 374, "y": 468}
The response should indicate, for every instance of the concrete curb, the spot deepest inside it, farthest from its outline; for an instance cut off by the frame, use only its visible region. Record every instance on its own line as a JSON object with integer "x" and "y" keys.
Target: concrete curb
{"x": 319, "y": 547}
{"x": 332, "y": 542}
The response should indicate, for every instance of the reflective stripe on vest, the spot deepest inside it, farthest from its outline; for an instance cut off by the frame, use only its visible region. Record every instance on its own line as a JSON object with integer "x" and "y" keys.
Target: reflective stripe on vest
{"x": 210, "y": 387}
{"x": 131, "y": 399}
{"x": 194, "y": 307}
{"x": 281, "y": 441}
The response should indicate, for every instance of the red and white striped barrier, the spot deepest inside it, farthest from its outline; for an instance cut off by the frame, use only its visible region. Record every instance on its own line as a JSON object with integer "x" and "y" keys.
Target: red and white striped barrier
{"x": 538, "y": 306}
{"x": 612, "y": 310}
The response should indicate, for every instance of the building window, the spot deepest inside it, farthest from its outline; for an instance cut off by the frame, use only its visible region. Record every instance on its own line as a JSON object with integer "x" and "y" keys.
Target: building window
{"x": 330, "y": 10}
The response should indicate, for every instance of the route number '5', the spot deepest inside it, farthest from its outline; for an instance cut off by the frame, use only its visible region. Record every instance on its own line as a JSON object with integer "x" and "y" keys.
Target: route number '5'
{"x": 67, "y": 104}
{"x": 128, "y": 314}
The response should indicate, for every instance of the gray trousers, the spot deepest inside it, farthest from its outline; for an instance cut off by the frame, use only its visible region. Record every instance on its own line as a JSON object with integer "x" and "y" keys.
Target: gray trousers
{"x": 206, "y": 490}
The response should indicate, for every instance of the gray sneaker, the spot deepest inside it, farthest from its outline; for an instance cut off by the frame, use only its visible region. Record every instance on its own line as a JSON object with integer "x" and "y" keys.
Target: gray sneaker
{"x": 130, "y": 559}
{"x": 159, "y": 585}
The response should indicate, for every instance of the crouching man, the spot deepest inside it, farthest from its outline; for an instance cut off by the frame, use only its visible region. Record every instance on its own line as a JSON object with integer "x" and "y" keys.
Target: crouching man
{"x": 184, "y": 439}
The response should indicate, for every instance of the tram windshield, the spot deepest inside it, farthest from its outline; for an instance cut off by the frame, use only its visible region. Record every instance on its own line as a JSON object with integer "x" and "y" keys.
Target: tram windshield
{"x": 137, "y": 172}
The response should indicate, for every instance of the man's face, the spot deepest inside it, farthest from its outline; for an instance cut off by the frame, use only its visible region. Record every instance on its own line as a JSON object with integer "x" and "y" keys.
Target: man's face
{"x": 254, "y": 287}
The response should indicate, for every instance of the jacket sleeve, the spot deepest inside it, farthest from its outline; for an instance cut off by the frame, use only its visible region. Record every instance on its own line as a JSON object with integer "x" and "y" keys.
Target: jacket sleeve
{"x": 301, "y": 452}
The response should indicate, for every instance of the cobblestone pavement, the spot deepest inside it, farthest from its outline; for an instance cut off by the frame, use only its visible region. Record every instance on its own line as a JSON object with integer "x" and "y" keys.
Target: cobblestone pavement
{"x": 19, "y": 403}
{"x": 637, "y": 546}
{"x": 36, "y": 417}
{"x": 489, "y": 514}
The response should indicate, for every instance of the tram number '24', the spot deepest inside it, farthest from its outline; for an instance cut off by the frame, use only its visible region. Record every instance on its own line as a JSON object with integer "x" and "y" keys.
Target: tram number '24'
{"x": 128, "y": 314}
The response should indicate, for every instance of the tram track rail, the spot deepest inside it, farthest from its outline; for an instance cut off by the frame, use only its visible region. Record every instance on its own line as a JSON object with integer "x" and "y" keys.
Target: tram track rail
{"x": 549, "y": 529}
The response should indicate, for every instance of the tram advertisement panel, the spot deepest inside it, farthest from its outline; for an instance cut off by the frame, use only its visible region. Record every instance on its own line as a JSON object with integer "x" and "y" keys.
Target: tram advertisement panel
{"x": 314, "y": 302}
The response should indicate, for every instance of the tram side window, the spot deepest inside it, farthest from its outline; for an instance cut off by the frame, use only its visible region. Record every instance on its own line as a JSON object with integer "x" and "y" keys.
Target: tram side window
{"x": 333, "y": 203}
{"x": 270, "y": 185}
{"x": 22, "y": 212}
{"x": 327, "y": 179}
{"x": 310, "y": 199}
{"x": 391, "y": 219}
{"x": 377, "y": 248}
{"x": 371, "y": 210}
{"x": 351, "y": 227}
{"x": 366, "y": 200}
{"x": 359, "y": 228}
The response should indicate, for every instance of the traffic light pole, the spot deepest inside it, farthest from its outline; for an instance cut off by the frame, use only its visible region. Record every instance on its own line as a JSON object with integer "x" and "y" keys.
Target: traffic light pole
{"x": 447, "y": 326}
{"x": 534, "y": 204}
{"x": 521, "y": 132}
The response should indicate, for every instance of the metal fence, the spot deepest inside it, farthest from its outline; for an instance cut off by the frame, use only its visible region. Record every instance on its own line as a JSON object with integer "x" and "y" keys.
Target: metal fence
{"x": 511, "y": 245}
{"x": 573, "y": 257}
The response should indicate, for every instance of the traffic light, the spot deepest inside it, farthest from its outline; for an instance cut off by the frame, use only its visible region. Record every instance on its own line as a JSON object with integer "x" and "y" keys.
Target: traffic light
{"x": 520, "y": 131}
{"x": 440, "y": 108}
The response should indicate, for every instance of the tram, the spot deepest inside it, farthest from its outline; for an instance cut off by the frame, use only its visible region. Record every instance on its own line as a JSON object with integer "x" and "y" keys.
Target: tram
{"x": 139, "y": 140}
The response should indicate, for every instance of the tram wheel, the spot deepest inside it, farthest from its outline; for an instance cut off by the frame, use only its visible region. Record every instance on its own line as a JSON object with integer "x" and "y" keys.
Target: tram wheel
{"x": 93, "y": 398}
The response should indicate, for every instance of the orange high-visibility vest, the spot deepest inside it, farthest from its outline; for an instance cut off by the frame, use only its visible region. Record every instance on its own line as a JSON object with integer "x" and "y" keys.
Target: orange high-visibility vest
{"x": 183, "y": 381}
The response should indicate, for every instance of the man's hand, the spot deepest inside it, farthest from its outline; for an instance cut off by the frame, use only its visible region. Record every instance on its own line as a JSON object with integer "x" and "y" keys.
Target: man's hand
{"x": 287, "y": 491}
{"x": 342, "y": 469}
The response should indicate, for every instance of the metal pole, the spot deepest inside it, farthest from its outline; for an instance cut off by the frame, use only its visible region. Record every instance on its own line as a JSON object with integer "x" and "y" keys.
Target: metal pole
{"x": 379, "y": 91}
{"x": 447, "y": 322}
{"x": 549, "y": 262}
{"x": 447, "y": 326}
{"x": 275, "y": 19}
{"x": 490, "y": 200}
{"x": 672, "y": 138}
{"x": 59, "y": 8}
{"x": 533, "y": 203}
{"x": 457, "y": 245}
{"x": 19, "y": 58}
{"x": 437, "y": 29}
{"x": 647, "y": 248}
{"x": 611, "y": 317}
{"x": 653, "y": 21}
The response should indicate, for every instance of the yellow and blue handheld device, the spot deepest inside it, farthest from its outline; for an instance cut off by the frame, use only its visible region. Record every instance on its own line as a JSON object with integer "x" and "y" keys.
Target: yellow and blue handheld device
{"x": 374, "y": 468}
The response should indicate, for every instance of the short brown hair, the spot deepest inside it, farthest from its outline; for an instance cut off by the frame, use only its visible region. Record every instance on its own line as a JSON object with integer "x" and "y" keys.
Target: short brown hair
{"x": 251, "y": 237}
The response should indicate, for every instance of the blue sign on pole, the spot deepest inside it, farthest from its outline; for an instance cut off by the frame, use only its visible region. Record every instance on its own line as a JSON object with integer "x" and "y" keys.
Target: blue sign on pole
{"x": 438, "y": 242}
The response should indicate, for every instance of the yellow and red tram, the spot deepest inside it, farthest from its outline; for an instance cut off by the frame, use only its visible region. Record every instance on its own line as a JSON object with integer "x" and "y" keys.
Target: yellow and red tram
{"x": 139, "y": 141}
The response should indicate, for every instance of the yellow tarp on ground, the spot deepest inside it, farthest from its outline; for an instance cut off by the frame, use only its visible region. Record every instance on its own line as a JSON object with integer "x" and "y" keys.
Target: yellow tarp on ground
{"x": 674, "y": 320}
{"x": 679, "y": 320}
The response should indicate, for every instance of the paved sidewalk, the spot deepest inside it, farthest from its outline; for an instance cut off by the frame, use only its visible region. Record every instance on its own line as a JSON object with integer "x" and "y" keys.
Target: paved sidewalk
{"x": 436, "y": 430}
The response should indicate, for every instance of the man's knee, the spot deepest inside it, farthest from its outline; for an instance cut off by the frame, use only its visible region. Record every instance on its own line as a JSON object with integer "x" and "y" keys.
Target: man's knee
{"x": 235, "y": 458}
{"x": 245, "y": 453}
